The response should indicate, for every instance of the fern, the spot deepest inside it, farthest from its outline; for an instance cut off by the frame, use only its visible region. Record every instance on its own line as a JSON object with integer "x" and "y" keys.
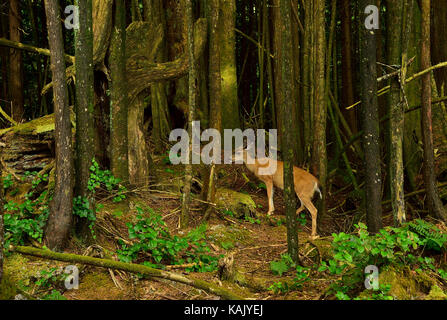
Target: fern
{"x": 432, "y": 236}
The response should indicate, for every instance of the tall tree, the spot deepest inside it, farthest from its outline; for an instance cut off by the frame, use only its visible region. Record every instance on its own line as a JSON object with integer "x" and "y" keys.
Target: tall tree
{"x": 400, "y": 23}
{"x": 230, "y": 113}
{"x": 85, "y": 144}
{"x": 370, "y": 123}
{"x": 433, "y": 201}
{"x": 288, "y": 88}
{"x": 192, "y": 85}
{"x": 60, "y": 217}
{"x": 155, "y": 12}
{"x": 347, "y": 86}
{"x": 215, "y": 96}
{"x": 15, "y": 61}
{"x": 319, "y": 156}
{"x": 396, "y": 109}
{"x": 119, "y": 160}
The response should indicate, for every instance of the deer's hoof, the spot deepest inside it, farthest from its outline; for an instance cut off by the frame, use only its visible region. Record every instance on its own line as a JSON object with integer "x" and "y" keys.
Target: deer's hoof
{"x": 270, "y": 213}
{"x": 312, "y": 238}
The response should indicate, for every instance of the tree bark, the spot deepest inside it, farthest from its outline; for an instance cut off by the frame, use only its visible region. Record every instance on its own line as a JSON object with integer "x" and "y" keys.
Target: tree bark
{"x": 192, "y": 85}
{"x": 85, "y": 143}
{"x": 15, "y": 61}
{"x": 119, "y": 160}
{"x": 319, "y": 153}
{"x": 215, "y": 88}
{"x": 433, "y": 201}
{"x": 230, "y": 114}
{"x": 346, "y": 64}
{"x": 396, "y": 110}
{"x": 370, "y": 124}
{"x": 288, "y": 87}
{"x": 60, "y": 217}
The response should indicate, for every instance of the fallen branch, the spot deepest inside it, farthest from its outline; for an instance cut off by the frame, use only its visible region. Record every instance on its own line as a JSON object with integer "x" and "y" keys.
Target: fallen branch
{"x": 129, "y": 267}
{"x": 26, "y": 47}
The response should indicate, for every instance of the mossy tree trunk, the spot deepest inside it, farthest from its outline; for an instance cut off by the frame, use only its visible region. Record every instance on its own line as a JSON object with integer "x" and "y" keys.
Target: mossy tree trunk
{"x": 433, "y": 201}
{"x": 215, "y": 97}
{"x": 412, "y": 127}
{"x": 60, "y": 217}
{"x": 85, "y": 144}
{"x": 119, "y": 161}
{"x": 370, "y": 124}
{"x": 230, "y": 110}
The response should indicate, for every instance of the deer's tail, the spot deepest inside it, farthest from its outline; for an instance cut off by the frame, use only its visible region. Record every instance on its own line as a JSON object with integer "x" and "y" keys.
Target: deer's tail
{"x": 317, "y": 188}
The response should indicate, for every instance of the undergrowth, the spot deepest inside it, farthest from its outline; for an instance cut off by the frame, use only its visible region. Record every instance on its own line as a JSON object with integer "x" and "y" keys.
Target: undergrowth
{"x": 153, "y": 244}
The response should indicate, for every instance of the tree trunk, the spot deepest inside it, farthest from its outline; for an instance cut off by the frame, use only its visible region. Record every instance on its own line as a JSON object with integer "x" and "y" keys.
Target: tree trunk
{"x": 15, "y": 61}
{"x": 433, "y": 201}
{"x": 370, "y": 124}
{"x": 307, "y": 79}
{"x": 192, "y": 85}
{"x": 412, "y": 124}
{"x": 4, "y": 53}
{"x": 60, "y": 217}
{"x": 230, "y": 112}
{"x": 159, "y": 102}
{"x": 288, "y": 87}
{"x": 319, "y": 153}
{"x": 346, "y": 65}
{"x": 396, "y": 110}
{"x": 215, "y": 95}
{"x": 119, "y": 161}
{"x": 277, "y": 50}
{"x": 85, "y": 144}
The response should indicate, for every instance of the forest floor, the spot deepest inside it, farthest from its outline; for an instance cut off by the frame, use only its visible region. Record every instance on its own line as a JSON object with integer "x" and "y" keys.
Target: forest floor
{"x": 254, "y": 243}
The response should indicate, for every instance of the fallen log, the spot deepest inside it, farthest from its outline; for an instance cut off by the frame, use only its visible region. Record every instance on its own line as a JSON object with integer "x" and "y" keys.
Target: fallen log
{"x": 28, "y": 146}
{"x": 129, "y": 267}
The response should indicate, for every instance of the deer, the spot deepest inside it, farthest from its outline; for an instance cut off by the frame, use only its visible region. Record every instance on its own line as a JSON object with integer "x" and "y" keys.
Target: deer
{"x": 304, "y": 182}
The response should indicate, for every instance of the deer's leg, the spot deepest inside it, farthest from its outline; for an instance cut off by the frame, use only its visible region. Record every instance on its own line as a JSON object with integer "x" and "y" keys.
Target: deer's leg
{"x": 313, "y": 212}
{"x": 300, "y": 209}
{"x": 269, "y": 185}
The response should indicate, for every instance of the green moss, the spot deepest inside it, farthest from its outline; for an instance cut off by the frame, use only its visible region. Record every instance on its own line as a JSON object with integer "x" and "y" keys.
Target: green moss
{"x": 94, "y": 286}
{"x": 436, "y": 294}
{"x": 406, "y": 284}
{"x": 240, "y": 204}
{"x": 7, "y": 289}
{"x": 226, "y": 234}
{"x": 40, "y": 125}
